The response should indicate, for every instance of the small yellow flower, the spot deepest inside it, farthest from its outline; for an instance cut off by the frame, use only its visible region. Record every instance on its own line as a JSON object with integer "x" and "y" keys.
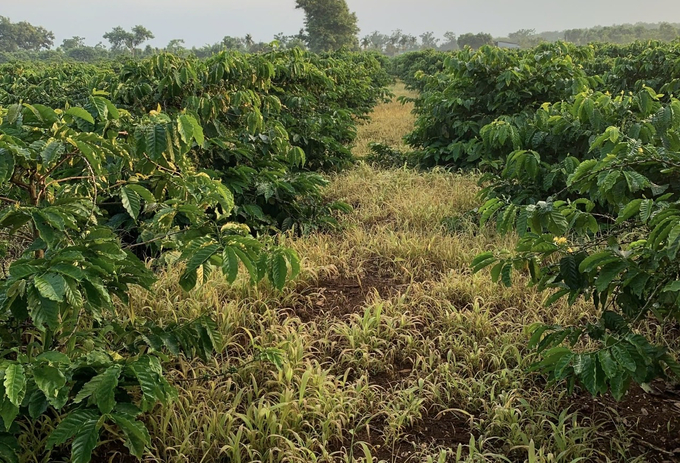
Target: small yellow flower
{"x": 560, "y": 241}
{"x": 640, "y": 150}
{"x": 570, "y": 250}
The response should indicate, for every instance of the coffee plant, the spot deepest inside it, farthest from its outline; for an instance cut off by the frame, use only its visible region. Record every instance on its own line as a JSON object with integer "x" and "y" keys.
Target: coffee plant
{"x": 479, "y": 87}
{"x": 75, "y": 183}
{"x": 580, "y": 150}
{"x": 109, "y": 172}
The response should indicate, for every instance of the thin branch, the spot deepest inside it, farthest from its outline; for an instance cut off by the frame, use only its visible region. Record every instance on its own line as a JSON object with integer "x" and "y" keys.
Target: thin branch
{"x": 68, "y": 179}
{"x": 9, "y": 200}
{"x": 66, "y": 159}
{"x": 136, "y": 245}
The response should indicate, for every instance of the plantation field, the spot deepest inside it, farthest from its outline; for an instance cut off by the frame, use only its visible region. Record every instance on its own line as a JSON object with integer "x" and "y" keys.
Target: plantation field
{"x": 393, "y": 350}
{"x": 288, "y": 257}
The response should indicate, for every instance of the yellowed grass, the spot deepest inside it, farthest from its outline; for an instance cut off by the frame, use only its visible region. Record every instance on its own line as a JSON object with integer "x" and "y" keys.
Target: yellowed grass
{"x": 426, "y": 344}
{"x": 389, "y": 123}
{"x": 427, "y": 337}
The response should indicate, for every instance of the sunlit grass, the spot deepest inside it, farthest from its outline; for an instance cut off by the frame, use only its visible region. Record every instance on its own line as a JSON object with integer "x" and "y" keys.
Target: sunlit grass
{"x": 386, "y": 335}
{"x": 389, "y": 123}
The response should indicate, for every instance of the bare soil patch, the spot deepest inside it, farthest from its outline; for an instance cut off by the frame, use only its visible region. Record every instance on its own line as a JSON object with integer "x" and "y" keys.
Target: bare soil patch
{"x": 652, "y": 418}
{"x": 340, "y": 297}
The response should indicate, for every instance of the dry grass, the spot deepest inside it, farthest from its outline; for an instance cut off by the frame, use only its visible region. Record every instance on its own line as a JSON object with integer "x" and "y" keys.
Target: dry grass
{"x": 393, "y": 350}
{"x": 389, "y": 123}
{"x": 420, "y": 343}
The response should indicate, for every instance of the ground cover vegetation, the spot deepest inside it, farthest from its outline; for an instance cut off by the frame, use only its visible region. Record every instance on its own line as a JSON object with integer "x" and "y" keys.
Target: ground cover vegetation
{"x": 583, "y": 167}
{"x": 112, "y": 175}
{"x": 196, "y": 269}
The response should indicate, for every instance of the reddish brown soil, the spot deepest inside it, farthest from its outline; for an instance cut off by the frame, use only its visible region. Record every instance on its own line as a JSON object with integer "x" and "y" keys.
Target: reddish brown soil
{"x": 340, "y": 297}
{"x": 653, "y": 417}
{"x": 443, "y": 429}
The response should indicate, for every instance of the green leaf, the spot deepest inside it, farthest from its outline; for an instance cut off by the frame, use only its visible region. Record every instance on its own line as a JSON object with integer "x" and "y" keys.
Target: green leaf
{"x": 588, "y": 372}
{"x": 247, "y": 262}
{"x": 85, "y": 441}
{"x": 200, "y": 257}
{"x": 608, "y": 273}
{"x": 585, "y": 168}
{"x": 197, "y": 130}
{"x": 496, "y": 271}
{"x": 70, "y": 426}
{"x": 46, "y": 232}
{"x": 50, "y": 380}
{"x": 53, "y": 150}
{"x": 185, "y": 128}
{"x": 629, "y": 211}
{"x": 595, "y": 260}
{"x": 149, "y": 380}
{"x": 623, "y": 357}
{"x": 620, "y": 384}
{"x": 8, "y": 411}
{"x": 6, "y": 165}
{"x": 7, "y": 454}
{"x": 113, "y": 111}
{"x": 37, "y": 403}
{"x": 230, "y": 264}
{"x": 51, "y": 286}
{"x": 636, "y": 181}
{"x": 155, "y": 139}
{"x": 101, "y": 389}
{"x": 536, "y": 334}
{"x": 558, "y": 224}
{"x": 646, "y": 208}
{"x": 562, "y": 366}
{"x": 673, "y": 286}
{"x": 136, "y": 435}
{"x": 132, "y": 202}
{"x": 482, "y": 260}
{"x": 279, "y": 270}
{"x": 506, "y": 275}
{"x": 81, "y": 114}
{"x": 68, "y": 270}
{"x": 100, "y": 106}
{"x": 609, "y": 366}
{"x": 15, "y": 383}
{"x": 141, "y": 191}
{"x": 45, "y": 312}
{"x": 569, "y": 272}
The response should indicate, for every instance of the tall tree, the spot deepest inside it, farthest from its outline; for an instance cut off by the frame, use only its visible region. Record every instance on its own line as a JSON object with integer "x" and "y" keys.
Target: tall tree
{"x": 428, "y": 40}
{"x": 329, "y": 24}
{"x": 119, "y": 38}
{"x": 475, "y": 41}
{"x": 450, "y": 42}
{"x": 23, "y": 36}
{"x": 526, "y": 38}
{"x": 375, "y": 41}
{"x": 73, "y": 42}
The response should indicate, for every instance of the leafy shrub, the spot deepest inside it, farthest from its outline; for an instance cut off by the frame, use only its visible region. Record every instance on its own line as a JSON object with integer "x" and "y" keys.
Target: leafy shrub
{"x": 581, "y": 158}
{"x": 479, "y": 87}
{"x": 77, "y": 184}
{"x": 387, "y": 157}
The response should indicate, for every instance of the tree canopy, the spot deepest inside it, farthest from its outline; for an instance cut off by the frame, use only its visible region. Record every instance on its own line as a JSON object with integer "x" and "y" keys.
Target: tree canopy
{"x": 329, "y": 24}
{"x": 121, "y": 39}
{"x": 475, "y": 41}
{"x": 23, "y": 36}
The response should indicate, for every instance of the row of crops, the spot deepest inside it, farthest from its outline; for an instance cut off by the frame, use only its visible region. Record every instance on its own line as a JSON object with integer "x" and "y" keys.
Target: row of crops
{"x": 579, "y": 148}
{"x": 107, "y": 173}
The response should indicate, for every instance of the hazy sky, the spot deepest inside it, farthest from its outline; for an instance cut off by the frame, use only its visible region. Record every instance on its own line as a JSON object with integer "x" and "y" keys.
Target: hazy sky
{"x": 206, "y": 21}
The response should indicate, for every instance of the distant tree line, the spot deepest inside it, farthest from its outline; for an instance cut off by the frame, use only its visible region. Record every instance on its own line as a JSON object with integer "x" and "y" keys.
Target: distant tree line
{"x": 329, "y": 25}
{"x": 25, "y": 42}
